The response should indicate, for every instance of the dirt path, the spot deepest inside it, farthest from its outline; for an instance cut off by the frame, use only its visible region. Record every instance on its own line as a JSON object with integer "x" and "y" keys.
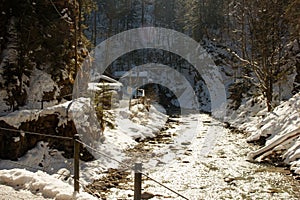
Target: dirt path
{"x": 223, "y": 174}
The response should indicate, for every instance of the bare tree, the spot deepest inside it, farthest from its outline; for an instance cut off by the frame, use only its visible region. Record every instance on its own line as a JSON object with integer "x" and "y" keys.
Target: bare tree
{"x": 262, "y": 32}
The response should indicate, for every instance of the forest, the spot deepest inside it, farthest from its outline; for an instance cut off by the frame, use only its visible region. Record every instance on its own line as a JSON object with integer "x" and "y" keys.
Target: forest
{"x": 55, "y": 36}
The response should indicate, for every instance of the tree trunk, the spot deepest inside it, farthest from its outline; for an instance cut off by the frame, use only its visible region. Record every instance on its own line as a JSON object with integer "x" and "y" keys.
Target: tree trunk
{"x": 95, "y": 29}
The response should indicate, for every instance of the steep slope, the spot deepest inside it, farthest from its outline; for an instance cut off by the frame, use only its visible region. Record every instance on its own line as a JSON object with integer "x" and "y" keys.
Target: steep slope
{"x": 37, "y": 53}
{"x": 277, "y": 131}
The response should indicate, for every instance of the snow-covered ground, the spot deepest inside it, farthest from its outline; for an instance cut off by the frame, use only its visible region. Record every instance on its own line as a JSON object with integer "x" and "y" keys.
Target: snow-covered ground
{"x": 7, "y": 193}
{"x": 42, "y": 184}
{"x": 280, "y": 128}
{"x": 195, "y": 165}
{"x": 223, "y": 173}
{"x": 31, "y": 176}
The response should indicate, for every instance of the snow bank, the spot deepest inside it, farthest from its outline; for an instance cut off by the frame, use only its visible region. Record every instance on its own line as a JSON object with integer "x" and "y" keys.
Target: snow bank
{"x": 130, "y": 125}
{"x": 280, "y": 128}
{"x": 140, "y": 123}
{"x": 135, "y": 124}
{"x": 284, "y": 119}
{"x": 40, "y": 182}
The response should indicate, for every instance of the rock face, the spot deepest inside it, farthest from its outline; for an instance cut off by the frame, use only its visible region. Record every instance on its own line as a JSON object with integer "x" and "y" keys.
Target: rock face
{"x": 14, "y": 144}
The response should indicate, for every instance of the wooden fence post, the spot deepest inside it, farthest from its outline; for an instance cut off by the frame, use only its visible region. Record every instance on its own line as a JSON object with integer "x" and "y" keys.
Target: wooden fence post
{"x": 76, "y": 163}
{"x": 137, "y": 181}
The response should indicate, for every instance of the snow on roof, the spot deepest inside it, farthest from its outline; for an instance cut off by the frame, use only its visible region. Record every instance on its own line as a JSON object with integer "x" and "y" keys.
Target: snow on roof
{"x": 103, "y": 77}
{"x": 99, "y": 86}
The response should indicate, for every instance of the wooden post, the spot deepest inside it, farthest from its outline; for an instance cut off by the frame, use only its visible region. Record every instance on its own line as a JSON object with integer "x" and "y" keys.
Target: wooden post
{"x": 137, "y": 181}
{"x": 76, "y": 163}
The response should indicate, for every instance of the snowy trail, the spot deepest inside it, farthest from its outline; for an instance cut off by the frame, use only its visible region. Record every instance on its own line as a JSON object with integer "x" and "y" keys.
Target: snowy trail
{"x": 223, "y": 174}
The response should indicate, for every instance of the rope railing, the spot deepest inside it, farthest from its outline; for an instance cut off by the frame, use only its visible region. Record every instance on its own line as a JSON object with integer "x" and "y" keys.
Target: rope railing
{"x": 86, "y": 188}
{"x": 129, "y": 167}
{"x": 34, "y": 133}
{"x": 161, "y": 184}
{"x": 102, "y": 154}
{"x": 96, "y": 151}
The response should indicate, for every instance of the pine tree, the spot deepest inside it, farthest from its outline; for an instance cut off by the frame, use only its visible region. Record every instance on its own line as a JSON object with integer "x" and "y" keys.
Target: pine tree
{"x": 38, "y": 36}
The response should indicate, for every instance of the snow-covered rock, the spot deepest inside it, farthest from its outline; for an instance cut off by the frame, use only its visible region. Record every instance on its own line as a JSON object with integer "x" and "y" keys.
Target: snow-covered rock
{"x": 56, "y": 120}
